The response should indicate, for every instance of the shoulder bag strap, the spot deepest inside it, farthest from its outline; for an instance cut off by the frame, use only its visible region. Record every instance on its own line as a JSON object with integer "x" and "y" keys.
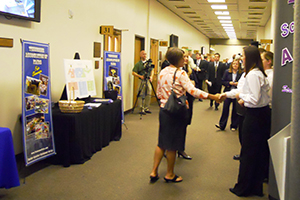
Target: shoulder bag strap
{"x": 174, "y": 79}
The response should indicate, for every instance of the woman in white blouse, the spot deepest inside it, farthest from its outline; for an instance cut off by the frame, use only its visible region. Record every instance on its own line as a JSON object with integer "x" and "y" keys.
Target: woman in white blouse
{"x": 172, "y": 129}
{"x": 256, "y": 126}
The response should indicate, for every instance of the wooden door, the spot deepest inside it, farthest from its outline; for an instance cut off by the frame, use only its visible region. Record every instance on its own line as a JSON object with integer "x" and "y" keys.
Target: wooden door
{"x": 139, "y": 46}
{"x": 154, "y": 57}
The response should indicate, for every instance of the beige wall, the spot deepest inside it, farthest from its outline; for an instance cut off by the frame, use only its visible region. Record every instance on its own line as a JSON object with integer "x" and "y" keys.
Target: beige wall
{"x": 66, "y": 36}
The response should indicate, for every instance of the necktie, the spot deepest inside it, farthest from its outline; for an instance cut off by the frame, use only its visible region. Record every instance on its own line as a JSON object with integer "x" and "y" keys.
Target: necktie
{"x": 216, "y": 68}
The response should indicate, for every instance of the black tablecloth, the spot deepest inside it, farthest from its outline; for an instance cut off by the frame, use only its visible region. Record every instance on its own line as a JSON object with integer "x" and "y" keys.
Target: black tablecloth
{"x": 78, "y": 136}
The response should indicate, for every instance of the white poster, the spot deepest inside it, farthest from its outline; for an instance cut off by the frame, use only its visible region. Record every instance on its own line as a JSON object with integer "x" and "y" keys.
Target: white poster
{"x": 80, "y": 81}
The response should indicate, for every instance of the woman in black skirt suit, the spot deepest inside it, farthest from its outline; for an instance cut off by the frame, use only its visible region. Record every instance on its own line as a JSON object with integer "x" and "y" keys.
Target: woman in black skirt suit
{"x": 171, "y": 128}
{"x": 256, "y": 126}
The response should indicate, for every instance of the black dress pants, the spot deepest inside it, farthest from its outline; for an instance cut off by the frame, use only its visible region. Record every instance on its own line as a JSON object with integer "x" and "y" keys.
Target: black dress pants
{"x": 225, "y": 114}
{"x": 254, "y": 153}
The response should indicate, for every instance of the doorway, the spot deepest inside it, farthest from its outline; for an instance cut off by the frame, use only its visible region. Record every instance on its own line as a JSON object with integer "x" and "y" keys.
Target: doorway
{"x": 154, "y": 57}
{"x": 138, "y": 47}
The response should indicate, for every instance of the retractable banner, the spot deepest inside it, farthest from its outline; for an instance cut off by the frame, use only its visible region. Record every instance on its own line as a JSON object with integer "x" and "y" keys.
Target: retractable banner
{"x": 112, "y": 74}
{"x": 36, "y": 102}
{"x": 282, "y": 93}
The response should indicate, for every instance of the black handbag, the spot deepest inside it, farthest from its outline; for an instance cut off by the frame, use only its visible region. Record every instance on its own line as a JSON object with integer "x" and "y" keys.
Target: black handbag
{"x": 176, "y": 106}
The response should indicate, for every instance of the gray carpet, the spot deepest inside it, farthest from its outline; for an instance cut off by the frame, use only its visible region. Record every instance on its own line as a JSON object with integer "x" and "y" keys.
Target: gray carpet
{"x": 121, "y": 170}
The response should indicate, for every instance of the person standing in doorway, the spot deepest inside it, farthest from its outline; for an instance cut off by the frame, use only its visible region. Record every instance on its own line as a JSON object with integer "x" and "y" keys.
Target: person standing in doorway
{"x": 143, "y": 72}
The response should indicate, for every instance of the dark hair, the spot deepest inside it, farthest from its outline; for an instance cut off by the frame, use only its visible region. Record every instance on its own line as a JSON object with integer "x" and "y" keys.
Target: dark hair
{"x": 174, "y": 55}
{"x": 239, "y": 69}
{"x": 253, "y": 60}
{"x": 217, "y": 54}
{"x": 268, "y": 55}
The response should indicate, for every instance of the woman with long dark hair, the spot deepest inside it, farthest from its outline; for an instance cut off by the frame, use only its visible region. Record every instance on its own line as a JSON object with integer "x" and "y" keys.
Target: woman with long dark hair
{"x": 172, "y": 129}
{"x": 256, "y": 126}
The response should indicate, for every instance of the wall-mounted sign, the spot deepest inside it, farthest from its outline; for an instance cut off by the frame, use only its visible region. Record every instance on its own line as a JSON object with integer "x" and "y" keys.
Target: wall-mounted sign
{"x": 264, "y": 41}
{"x": 107, "y": 30}
{"x": 163, "y": 43}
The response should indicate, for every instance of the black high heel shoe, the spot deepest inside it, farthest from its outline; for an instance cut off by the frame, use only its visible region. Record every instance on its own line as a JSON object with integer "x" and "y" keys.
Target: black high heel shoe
{"x": 153, "y": 179}
{"x": 185, "y": 156}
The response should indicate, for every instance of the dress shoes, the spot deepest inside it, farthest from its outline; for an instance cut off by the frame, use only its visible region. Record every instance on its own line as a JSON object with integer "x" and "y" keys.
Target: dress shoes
{"x": 219, "y": 127}
{"x": 148, "y": 111}
{"x": 236, "y": 157}
{"x": 142, "y": 113}
{"x": 184, "y": 155}
{"x": 200, "y": 100}
{"x": 216, "y": 108}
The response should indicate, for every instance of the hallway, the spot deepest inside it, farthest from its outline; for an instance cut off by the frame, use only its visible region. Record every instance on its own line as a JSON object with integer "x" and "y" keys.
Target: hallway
{"x": 121, "y": 170}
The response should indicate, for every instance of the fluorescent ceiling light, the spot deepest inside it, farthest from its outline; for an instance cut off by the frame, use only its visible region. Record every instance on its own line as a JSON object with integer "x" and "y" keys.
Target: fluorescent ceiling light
{"x": 222, "y": 13}
{"x": 225, "y": 21}
{"x": 226, "y": 24}
{"x": 219, "y": 7}
{"x": 224, "y": 17}
{"x": 216, "y": 1}
{"x": 228, "y": 28}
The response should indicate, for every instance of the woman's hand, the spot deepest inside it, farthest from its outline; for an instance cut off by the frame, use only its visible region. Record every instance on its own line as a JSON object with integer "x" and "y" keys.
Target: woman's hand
{"x": 222, "y": 96}
{"x": 241, "y": 102}
{"x": 237, "y": 96}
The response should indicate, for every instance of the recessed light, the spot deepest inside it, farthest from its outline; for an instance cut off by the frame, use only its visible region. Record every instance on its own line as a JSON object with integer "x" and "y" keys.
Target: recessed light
{"x": 216, "y": 1}
{"x": 222, "y": 13}
{"x": 224, "y": 17}
{"x": 219, "y": 7}
{"x": 225, "y": 21}
{"x": 226, "y": 24}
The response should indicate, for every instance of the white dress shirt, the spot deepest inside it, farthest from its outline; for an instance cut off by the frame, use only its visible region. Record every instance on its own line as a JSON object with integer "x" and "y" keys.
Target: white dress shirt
{"x": 255, "y": 90}
{"x": 270, "y": 72}
{"x": 191, "y": 63}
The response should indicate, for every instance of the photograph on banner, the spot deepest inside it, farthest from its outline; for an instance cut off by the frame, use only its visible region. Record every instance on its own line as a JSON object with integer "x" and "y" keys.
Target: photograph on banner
{"x": 36, "y": 102}
{"x": 112, "y": 75}
{"x": 80, "y": 80}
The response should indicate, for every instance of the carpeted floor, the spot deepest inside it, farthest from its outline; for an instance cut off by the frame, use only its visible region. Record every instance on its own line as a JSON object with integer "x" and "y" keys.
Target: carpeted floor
{"x": 121, "y": 170}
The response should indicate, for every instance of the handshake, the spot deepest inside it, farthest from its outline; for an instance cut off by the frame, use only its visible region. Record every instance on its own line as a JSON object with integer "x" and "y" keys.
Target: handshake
{"x": 219, "y": 98}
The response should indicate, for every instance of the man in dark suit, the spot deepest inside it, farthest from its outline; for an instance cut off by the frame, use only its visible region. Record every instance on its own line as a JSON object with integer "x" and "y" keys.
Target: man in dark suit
{"x": 201, "y": 69}
{"x": 214, "y": 76}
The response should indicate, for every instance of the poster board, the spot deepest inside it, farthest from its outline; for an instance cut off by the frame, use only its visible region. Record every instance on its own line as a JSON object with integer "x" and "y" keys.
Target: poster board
{"x": 80, "y": 79}
{"x": 38, "y": 136}
{"x": 112, "y": 74}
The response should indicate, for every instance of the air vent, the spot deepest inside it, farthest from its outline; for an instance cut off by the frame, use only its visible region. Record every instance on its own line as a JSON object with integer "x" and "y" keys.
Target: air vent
{"x": 198, "y": 20}
{"x": 194, "y": 17}
{"x": 256, "y": 7}
{"x": 189, "y": 13}
{"x": 253, "y": 22}
{"x": 258, "y": 1}
{"x": 255, "y": 13}
{"x": 254, "y": 17}
{"x": 251, "y": 25}
{"x": 182, "y": 7}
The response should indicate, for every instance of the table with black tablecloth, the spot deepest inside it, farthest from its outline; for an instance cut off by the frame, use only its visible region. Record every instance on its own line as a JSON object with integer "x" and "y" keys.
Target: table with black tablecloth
{"x": 79, "y": 135}
{"x": 9, "y": 176}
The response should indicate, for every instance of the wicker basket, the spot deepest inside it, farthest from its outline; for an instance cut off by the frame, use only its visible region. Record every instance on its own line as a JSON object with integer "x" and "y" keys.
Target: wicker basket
{"x": 71, "y": 106}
